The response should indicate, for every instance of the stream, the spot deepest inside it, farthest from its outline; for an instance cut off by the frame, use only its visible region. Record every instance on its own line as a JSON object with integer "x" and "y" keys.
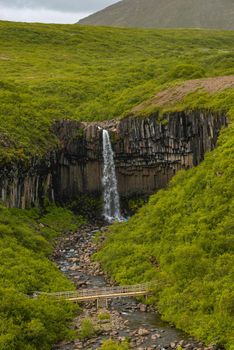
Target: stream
{"x": 128, "y": 318}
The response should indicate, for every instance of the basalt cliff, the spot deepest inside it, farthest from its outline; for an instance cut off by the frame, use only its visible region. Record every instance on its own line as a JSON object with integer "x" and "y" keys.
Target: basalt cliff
{"x": 148, "y": 152}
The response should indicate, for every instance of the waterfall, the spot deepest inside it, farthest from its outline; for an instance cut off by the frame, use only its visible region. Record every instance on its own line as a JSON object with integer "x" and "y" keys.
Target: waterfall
{"x": 111, "y": 196}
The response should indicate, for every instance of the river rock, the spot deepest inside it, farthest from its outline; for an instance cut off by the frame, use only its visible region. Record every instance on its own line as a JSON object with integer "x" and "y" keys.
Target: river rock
{"x": 142, "y": 307}
{"x": 143, "y": 332}
{"x": 74, "y": 268}
{"x": 155, "y": 336}
{"x": 182, "y": 342}
{"x": 173, "y": 345}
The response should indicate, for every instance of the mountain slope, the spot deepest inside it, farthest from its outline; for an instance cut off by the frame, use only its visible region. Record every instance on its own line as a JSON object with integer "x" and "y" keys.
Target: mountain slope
{"x": 54, "y": 72}
{"x": 166, "y": 14}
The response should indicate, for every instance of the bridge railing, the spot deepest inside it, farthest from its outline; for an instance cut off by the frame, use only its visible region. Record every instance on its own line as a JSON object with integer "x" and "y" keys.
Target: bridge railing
{"x": 95, "y": 292}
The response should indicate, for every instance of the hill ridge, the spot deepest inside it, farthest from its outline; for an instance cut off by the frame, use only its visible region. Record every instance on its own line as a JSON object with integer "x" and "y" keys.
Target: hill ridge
{"x": 213, "y": 14}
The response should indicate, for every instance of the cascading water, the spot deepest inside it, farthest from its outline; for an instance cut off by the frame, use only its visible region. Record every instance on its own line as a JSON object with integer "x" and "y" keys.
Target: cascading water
{"x": 111, "y": 196}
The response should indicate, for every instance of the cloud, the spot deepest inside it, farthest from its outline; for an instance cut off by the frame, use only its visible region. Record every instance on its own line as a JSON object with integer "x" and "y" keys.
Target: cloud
{"x": 40, "y": 15}
{"x": 67, "y": 6}
{"x": 50, "y": 11}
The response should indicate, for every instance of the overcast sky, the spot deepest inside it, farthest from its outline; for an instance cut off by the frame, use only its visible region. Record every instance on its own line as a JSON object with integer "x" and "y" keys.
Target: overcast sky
{"x": 50, "y": 11}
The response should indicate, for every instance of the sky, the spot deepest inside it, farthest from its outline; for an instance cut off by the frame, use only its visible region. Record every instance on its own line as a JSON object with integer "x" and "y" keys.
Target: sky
{"x": 50, "y": 11}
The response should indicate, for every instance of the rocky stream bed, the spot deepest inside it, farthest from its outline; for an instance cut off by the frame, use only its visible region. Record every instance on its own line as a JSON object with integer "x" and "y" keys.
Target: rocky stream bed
{"x": 127, "y": 318}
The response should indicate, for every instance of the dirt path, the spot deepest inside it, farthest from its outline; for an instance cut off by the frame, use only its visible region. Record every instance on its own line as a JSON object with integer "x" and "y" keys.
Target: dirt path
{"x": 176, "y": 94}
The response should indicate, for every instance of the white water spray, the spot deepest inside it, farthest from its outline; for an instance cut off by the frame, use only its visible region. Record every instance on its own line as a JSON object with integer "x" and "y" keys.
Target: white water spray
{"x": 111, "y": 196}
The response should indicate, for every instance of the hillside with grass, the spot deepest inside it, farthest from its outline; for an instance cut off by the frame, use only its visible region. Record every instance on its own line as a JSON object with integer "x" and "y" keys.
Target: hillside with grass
{"x": 54, "y": 72}
{"x": 26, "y": 244}
{"x": 165, "y": 14}
{"x": 182, "y": 240}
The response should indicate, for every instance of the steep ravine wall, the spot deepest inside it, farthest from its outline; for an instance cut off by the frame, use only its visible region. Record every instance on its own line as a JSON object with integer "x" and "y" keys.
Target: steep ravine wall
{"x": 147, "y": 152}
{"x": 23, "y": 186}
{"x": 147, "y": 155}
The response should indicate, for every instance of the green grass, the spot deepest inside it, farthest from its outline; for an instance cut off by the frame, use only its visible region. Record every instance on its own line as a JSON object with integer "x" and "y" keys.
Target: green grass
{"x": 112, "y": 345}
{"x": 25, "y": 247}
{"x": 87, "y": 329}
{"x": 52, "y": 72}
{"x": 183, "y": 241}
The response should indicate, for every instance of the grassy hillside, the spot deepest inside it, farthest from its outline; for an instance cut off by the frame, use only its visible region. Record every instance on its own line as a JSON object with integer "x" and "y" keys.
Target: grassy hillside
{"x": 25, "y": 323}
{"x": 166, "y": 14}
{"x": 50, "y": 72}
{"x": 183, "y": 241}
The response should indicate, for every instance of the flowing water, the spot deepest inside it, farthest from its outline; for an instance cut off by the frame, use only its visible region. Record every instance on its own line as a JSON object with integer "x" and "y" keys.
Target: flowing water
{"x": 111, "y": 210}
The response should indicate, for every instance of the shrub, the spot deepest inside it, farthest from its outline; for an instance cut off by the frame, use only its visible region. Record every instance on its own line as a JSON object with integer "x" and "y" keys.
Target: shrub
{"x": 111, "y": 345}
{"x": 87, "y": 329}
{"x": 104, "y": 316}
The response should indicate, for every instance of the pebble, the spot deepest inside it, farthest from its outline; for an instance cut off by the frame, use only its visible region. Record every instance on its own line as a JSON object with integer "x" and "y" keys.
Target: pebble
{"x": 143, "y": 332}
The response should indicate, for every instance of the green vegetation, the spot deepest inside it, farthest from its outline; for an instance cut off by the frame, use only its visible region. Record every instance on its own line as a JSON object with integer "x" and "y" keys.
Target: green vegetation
{"x": 102, "y": 316}
{"x": 86, "y": 205}
{"x": 134, "y": 204}
{"x": 52, "y": 72}
{"x": 111, "y": 345}
{"x": 26, "y": 323}
{"x": 183, "y": 241}
{"x": 87, "y": 329}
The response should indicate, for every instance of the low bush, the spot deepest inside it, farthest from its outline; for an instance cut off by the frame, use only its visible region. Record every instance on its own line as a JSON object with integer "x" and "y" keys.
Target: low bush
{"x": 111, "y": 345}
{"x": 87, "y": 329}
{"x": 104, "y": 316}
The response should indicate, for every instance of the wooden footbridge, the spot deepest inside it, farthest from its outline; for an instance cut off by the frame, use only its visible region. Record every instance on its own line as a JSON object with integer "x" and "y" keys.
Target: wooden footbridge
{"x": 100, "y": 294}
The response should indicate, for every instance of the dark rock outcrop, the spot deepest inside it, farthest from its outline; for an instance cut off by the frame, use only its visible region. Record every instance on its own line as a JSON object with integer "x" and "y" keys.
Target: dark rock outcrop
{"x": 23, "y": 186}
{"x": 148, "y": 153}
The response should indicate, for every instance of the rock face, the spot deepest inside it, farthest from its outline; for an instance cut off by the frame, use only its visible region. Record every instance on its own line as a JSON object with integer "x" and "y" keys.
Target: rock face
{"x": 22, "y": 186}
{"x": 148, "y": 153}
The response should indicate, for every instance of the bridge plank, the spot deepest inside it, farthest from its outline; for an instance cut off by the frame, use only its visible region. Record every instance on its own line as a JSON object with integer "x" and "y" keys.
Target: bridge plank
{"x": 101, "y": 293}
